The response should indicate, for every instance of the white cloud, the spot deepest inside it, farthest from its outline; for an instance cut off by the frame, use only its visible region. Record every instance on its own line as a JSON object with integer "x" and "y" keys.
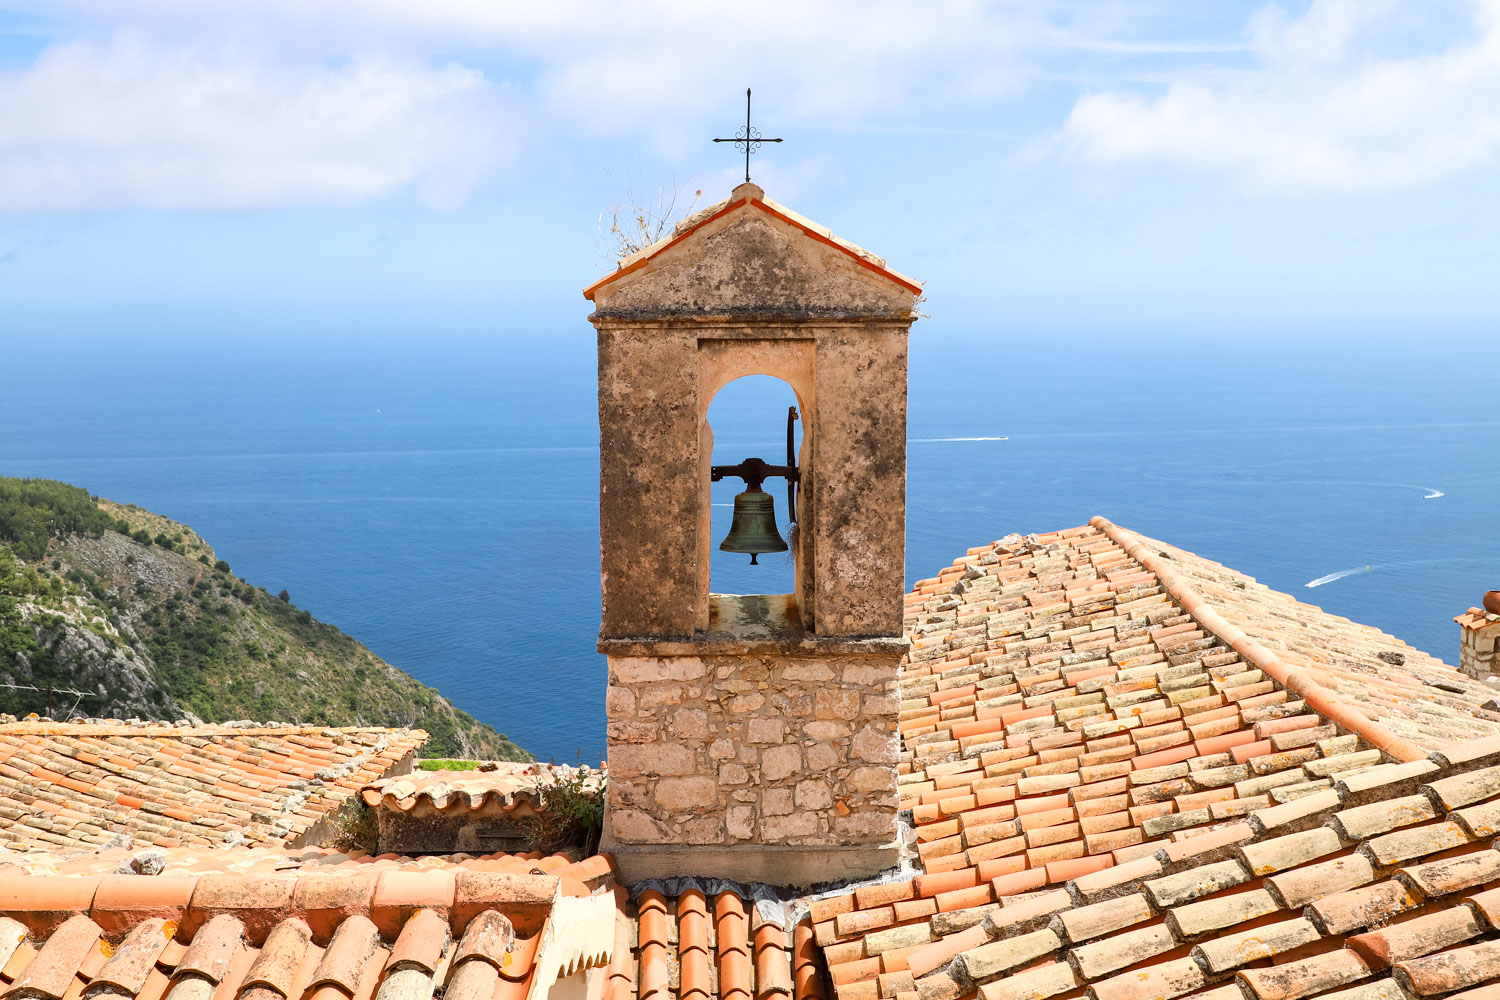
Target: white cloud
{"x": 237, "y": 103}
{"x": 618, "y": 65}
{"x": 1324, "y": 108}
{"x": 127, "y": 122}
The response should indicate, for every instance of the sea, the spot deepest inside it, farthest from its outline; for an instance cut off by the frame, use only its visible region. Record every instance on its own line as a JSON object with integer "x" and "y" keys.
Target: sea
{"x": 436, "y": 497}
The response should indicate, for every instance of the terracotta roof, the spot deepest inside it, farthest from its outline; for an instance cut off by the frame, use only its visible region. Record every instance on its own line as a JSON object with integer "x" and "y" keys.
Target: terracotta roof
{"x": 268, "y": 860}
{"x": 751, "y": 196}
{"x": 1412, "y": 693}
{"x": 1076, "y": 703}
{"x": 709, "y": 938}
{"x": 1476, "y": 619}
{"x": 1385, "y": 885}
{"x": 1134, "y": 775}
{"x": 355, "y": 929}
{"x": 509, "y": 786}
{"x": 87, "y": 784}
{"x": 467, "y": 933}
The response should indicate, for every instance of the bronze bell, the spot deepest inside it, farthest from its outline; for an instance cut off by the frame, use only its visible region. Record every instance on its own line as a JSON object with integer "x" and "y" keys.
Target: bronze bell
{"x": 753, "y": 529}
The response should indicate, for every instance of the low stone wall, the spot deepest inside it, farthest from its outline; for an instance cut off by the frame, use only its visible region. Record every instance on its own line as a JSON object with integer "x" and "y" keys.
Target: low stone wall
{"x": 747, "y": 750}
{"x": 426, "y": 830}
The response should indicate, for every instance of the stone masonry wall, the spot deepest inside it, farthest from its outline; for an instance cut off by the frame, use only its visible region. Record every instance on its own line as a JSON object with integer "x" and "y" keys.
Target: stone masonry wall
{"x": 1479, "y": 651}
{"x": 753, "y": 749}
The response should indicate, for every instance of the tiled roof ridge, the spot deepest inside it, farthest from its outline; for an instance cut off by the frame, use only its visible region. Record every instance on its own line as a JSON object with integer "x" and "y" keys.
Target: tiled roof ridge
{"x": 124, "y": 727}
{"x": 1299, "y": 682}
{"x": 389, "y": 897}
{"x": 508, "y": 786}
{"x": 1426, "y": 827}
{"x": 1476, "y": 618}
{"x": 410, "y": 934}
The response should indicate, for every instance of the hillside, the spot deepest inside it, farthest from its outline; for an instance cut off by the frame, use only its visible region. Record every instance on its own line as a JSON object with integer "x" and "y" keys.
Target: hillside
{"x": 137, "y": 611}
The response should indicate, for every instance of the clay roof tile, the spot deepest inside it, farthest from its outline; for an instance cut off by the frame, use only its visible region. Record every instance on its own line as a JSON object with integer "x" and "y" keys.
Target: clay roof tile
{"x": 348, "y": 954}
{"x": 420, "y": 944}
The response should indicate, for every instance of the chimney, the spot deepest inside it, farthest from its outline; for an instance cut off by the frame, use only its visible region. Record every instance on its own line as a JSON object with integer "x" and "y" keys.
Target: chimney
{"x": 1479, "y": 639}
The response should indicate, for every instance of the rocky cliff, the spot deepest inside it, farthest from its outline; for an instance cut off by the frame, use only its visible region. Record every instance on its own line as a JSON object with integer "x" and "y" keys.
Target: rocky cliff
{"x": 124, "y": 613}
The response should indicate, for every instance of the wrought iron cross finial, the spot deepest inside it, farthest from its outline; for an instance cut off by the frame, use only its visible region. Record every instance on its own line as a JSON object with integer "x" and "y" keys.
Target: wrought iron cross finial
{"x": 748, "y": 139}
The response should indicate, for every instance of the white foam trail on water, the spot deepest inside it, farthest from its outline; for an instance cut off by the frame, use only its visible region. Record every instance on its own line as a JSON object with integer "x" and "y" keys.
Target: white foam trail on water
{"x": 1433, "y": 494}
{"x": 1338, "y": 576}
{"x": 940, "y": 440}
{"x": 1443, "y": 561}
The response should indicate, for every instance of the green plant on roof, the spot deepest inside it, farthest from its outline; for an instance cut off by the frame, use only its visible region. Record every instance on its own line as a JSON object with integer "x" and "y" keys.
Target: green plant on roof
{"x": 572, "y": 816}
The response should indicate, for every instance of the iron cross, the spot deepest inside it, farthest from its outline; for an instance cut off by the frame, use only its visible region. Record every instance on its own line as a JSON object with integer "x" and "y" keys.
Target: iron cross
{"x": 748, "y": 139}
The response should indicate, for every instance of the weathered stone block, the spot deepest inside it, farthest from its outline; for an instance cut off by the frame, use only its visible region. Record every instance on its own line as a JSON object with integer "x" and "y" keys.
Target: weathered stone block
{"x": 674, "y": 794}
{"x": 836, "y": 703}
{"x": 873, "y": 826}
{"x": 742, "y": 703}
{"x": 657, "y": 695}
{"x": 638, "y": 826}
{"x": 776, "y": 801}
{"x": 765, "y": 730}
{"x": 652, "y": 758}
{"x": 876, "y": 746}
{"x": 823, "y": 730}
{"x": 640, "y": 669}
{"x": 872, "y": 779}
{"x": 782, "y": 828}
{"x": 781, "y": 762}
{"x": 814, "y": 793}
{"x": 807, "y": 670}
{"x": 822, "y": 757}
{"x": 740, "y": 821}
{"x": 690, "y": 724}
{"x": 619, "y": 702}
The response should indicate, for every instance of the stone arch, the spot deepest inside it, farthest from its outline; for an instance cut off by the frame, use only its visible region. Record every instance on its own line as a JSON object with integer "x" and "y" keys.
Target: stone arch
{"x": 721, "y": 362}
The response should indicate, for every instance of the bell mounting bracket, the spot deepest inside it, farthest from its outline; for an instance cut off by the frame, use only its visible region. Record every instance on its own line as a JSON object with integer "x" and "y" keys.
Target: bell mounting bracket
{"x": 755, "y": 471}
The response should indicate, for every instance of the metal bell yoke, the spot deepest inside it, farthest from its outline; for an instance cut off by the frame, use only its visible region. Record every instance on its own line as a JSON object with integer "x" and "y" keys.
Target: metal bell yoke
{"x": 753, "y": 529}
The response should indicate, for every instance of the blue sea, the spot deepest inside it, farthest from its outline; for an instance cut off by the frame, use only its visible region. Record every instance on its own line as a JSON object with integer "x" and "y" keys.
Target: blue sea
{"x": 436, "y": 497}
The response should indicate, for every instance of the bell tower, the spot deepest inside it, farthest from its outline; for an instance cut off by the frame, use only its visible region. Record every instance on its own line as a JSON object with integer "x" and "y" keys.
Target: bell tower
{"x": 752, "y": 736}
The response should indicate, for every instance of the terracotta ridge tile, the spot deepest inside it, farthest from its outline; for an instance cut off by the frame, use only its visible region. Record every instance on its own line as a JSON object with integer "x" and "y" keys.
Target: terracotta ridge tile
{"x": 1325, "y": 702}
{"x": 488, "y": 937}
{"x": 348, "y": 952}
{"x": 135, "y": 958}
{"x": 281, "y": 957}
{"x": 421, "y": 942}
{"x": 51, "y": 972}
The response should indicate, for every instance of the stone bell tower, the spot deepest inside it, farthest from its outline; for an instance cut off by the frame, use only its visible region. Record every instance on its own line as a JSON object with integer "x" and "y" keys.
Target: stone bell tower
{"x": 752, "y": 736}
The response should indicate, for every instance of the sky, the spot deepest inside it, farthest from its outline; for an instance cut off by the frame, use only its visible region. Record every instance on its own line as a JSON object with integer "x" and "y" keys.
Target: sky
{"x": 1127, "y": 167}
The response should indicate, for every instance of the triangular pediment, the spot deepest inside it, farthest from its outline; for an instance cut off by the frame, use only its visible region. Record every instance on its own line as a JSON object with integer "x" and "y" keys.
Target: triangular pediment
{"x": 750, "y": 256}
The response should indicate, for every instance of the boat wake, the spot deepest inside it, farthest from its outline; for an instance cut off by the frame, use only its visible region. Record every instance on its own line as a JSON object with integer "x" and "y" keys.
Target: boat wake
{"x": 1433, "y": 494}
{"x": 1405, "y": 563}
{"x": 1001, "y": 437}
{"x": 1339, "y": 575}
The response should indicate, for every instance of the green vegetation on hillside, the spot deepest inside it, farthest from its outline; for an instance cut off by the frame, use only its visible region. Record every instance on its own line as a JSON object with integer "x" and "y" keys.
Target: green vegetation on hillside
{"x": 34, "y": 511}
{"x": 137, "y": 611}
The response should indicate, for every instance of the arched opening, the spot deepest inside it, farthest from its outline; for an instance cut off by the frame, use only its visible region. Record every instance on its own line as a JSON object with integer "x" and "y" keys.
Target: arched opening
{"x": 747, "y": 419}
